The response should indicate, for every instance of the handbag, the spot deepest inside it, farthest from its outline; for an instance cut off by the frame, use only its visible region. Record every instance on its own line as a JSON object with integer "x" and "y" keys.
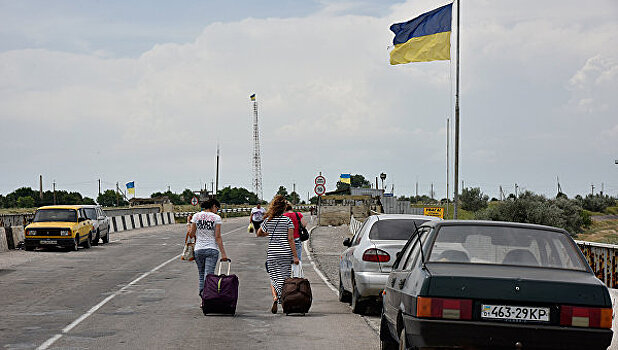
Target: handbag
{"x": 302, "y": 230}
{"x": 250, "y": 228}
{"x": 188, "y": 251}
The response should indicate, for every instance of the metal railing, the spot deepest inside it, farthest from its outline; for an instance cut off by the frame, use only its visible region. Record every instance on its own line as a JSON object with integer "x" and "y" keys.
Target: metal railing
{"x": 355, "y": 225}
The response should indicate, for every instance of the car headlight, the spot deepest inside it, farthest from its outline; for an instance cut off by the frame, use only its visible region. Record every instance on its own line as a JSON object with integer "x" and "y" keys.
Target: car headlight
{"x": 30, "y": 233}
{"x": 65, "y": 232}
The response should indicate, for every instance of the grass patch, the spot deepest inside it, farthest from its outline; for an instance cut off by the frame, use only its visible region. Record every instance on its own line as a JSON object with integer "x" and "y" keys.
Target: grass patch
{"x": 605, "y": 231}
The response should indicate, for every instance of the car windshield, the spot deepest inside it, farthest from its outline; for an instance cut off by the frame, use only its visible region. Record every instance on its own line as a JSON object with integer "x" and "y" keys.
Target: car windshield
{"x": 505, "y": 245}
{"x": 45, "y": 215}
{"x": 394, "y": 229}
{"x": 91, "y": 213}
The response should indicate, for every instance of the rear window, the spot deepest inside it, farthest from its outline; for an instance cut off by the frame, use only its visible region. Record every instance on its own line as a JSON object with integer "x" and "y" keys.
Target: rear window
{"x": 63, "y": 215}
{"x": 505, "y": 245}
{"x": 394, "y": 229}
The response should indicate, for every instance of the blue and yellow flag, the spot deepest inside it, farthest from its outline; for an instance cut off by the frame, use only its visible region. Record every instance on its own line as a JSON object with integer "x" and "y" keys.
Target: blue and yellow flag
{"x": 131, "y": 187}
{"x": 345, "y": 178}
{"x": 424, "y": 38}
{"x": 252, "y": 97}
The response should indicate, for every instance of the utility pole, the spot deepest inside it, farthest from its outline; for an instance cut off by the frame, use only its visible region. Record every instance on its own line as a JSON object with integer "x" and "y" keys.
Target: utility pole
{"x": 212, "y": 187}
{"x": 417, "y": 189}
{"x": 117, "y": 189}
{"x": 558, "y": 182}
{"x": 54, "y": 187}
{"x": 168, "y": 188}
{"x": 516, "y": 191}
{"x": 448, "y": 173}
{"x": 431, "y": 192}
{"x": 502, "y": 196}
{"x": 99, "y": 187}
{"x": 592, "y": 189}
{"x": 456, "y": 196}
{"x": 217, "y": 178}
{"x": 602, "y": 188}
{"x": 377, "y": 187}
{"x": 41, "y": 187}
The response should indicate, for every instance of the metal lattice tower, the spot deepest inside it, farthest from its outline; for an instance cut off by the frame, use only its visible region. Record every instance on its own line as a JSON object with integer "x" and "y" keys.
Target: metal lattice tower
{"x": 257, "y": 158}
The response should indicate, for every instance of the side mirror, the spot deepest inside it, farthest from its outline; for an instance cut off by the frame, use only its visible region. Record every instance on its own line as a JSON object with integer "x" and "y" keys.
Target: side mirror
{"x": 347, "y": 242}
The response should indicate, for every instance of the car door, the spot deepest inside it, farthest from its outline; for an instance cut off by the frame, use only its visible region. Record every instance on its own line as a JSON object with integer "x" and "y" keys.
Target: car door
{"x": 83, "y": 226}
{"x": 347, "y": 257}
{"x": 391, "y": 298}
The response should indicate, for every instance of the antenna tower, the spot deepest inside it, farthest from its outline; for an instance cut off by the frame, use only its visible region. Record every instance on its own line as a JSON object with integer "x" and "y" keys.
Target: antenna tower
{"x": 257, "y": 157}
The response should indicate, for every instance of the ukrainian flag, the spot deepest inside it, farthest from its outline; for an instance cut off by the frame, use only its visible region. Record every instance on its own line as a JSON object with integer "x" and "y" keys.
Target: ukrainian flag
{"x": 131, "y": 187}
{"x": 345, "y": 178}
{"x": 424, "y": 38}
{"x": 252, "y": 97}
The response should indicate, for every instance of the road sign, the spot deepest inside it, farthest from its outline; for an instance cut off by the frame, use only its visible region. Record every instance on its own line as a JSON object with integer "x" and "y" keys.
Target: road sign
{"x": 319, "y": 190}
{"x": 320, "y": 180}
{"x": 194, "y": 201}
{"x": 434, "y": 211}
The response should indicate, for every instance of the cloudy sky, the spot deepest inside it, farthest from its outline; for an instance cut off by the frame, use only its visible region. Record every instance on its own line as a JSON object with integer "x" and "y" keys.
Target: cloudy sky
{"x": 143, "y": 91}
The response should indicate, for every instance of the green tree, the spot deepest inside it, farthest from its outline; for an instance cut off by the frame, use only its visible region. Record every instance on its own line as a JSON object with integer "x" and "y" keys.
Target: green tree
{"x": 282, "y": 191}
{"x": 473, "y": 199}
{"x": 237, "y": 195}
{"x": 108, "y": 199}
{"x": 294, "y": 198}
{"x": 25, "y": 202}
{"x": 356, "y": 181}
{"x": 186, "y": 196}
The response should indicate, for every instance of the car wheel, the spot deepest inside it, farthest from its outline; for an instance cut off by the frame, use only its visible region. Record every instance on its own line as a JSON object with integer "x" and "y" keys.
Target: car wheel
{"x": 88, "y": 242}
{"x": 29, "y": 247}
{"x": 106, "y": 237}
{"x": 344, "y": 296}
{"x": 358, "y": 306}
{"x": 386, "y": 340}
{"x": 75, "y": 246}
{"x": 96, "y": 239}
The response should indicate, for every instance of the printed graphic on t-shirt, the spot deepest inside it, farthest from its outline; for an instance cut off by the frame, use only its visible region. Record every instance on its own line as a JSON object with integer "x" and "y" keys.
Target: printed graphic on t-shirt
{"x": 257, "y": 214}
{"x": 205, "y": 235}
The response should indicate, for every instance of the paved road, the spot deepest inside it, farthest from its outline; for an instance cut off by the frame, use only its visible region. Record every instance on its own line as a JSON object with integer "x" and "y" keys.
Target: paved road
{"x": 134, "y": 293}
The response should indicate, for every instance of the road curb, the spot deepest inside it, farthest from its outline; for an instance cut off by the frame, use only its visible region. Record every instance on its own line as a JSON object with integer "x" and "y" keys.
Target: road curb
{"x": 327, "y": 282}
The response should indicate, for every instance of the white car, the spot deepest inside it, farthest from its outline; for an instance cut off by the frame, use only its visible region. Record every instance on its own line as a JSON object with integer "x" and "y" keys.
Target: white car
{"x": 100, "y": 221}
{"x": 365, "y": 265}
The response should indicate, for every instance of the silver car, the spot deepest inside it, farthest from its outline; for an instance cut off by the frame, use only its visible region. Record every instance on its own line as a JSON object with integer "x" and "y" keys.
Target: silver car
{"x": 364, "y": 266}
{"x": 100, "y": 221}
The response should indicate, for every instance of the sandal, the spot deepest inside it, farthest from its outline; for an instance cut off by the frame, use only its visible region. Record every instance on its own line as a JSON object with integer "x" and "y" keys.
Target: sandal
{"x": 274, "y": 308}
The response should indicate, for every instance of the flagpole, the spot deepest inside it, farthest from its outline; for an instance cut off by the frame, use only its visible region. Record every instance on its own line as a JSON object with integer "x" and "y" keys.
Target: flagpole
{"x": 456, "y": 195}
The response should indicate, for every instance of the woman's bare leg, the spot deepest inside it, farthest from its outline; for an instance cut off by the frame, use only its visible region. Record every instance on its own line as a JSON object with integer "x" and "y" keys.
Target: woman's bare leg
{"x": 274, "y": 292}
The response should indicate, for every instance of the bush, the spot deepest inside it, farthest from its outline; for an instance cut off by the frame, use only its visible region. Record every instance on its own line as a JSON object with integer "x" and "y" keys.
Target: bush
{"x": 596, "y": 203}
{"x": 536, "y": 209}
{"x": 473, "y": 199}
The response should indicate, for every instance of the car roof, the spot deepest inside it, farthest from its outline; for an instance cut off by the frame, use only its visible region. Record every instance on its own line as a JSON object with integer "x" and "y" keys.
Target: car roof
{"x": 492, "y": 223}
{"x": 404, "y": 216}
{"x": 88, "y": 205}
{"x": 60, "y": 207}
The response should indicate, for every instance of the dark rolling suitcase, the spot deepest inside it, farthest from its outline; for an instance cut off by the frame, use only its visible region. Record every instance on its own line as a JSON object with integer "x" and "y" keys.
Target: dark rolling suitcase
{"x": 220, "y": 293}
{"x": 296, "y": 295}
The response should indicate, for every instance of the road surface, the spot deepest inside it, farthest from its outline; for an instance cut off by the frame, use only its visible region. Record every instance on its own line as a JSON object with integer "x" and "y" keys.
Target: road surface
{"x": 135, "y": 293}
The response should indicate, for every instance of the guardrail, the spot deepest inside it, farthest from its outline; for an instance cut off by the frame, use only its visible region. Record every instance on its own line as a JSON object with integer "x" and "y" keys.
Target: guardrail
{"x": 184, "y": 214}
{"x": 355, "y": 225}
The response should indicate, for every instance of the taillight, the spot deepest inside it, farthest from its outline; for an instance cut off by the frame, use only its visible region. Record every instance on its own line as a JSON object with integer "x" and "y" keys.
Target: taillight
{"x": 457, "y": 309}
{"x": 376, "y": 255}
{"x": 579, "y": 316}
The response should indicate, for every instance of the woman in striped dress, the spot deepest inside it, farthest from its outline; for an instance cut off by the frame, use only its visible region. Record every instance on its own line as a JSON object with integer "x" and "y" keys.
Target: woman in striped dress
{"x": 281, "y": 251}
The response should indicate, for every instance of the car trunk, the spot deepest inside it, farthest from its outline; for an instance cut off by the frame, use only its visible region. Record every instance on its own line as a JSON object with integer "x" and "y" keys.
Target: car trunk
{"x": 392, "y": 247}
{"x": 515, "y": 284}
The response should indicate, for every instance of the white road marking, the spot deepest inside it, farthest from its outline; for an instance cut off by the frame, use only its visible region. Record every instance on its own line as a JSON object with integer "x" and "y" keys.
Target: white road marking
{"x": 73, "y": 324}
{"x": 330, "y": 285}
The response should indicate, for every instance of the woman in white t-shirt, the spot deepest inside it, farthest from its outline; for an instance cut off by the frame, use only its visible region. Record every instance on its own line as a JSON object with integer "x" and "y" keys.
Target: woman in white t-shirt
{"x": 206, "y": 229}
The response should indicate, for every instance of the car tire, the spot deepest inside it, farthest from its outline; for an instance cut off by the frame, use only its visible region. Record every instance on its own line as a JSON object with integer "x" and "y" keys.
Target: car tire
{"x": 88, "y": 242}
{"x": 358, "y": 306}
{"x": 96, "y": 239}
{"x": 29, "y": 247}
{"x": 386, "y": 340}
{"x": 344, "y": 296}
{"x": 106, "y": 237}
{"x": 75, "y": 246}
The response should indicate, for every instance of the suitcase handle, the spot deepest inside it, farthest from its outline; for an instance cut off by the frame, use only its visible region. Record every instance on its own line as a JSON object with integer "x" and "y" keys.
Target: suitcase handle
{"x": 229, "y": 265}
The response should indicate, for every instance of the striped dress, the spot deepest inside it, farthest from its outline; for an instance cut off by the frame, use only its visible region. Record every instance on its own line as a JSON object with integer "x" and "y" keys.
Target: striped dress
{"x": 279, "y": 258}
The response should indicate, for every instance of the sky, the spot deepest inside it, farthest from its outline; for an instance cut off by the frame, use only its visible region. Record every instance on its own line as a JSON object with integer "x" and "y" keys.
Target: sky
{"x": 145, "y": 90}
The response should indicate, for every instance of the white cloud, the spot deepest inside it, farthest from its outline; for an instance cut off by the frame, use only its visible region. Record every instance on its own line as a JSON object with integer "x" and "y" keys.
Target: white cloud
{"x": 329, "y": 101}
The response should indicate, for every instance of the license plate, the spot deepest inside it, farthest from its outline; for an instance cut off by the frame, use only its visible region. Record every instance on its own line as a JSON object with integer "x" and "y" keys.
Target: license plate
{"x": 515, "y": 313}
{"x": 49, "y": 241}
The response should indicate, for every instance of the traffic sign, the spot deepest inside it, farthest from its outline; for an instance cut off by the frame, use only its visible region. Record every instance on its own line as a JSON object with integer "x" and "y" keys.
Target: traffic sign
{"x": 434, "y": 211}
{"x": 320, "y": 180}
{"x": 319, "y": 190}
{"x": 194, "y": 201}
